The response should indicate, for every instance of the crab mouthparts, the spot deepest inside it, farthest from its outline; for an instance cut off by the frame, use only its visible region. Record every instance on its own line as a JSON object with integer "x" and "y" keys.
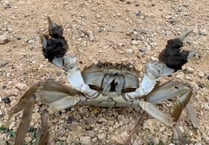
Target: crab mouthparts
{"x": 113, "y": 82}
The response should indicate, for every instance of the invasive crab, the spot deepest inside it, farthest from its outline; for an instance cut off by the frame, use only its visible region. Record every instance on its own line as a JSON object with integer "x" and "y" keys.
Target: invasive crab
{"x": 106, "y": 85}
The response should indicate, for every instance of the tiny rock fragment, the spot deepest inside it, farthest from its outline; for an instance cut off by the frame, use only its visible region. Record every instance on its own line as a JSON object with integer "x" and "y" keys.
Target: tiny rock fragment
{"x": 206, "y": 106}
{"x": 201, "y": 74}
{"x": 129, "y": 51}
{"x": 30, "y": 41}
{"x": 6, "y": 100}
{"x": 102, "y": 120}
{"x": 188, "y": 69}
{"x": 203, "y": 32}
{"x": 85, "y": 140}
{"x": 4, "y": 39}
{"x": 21, "y": 86}
{"x": 117, "y": 139}
{"x": 28, "y": 139}
{"x": 94, "y": 140}
{"x": 36, "y": 116}
{"x": 70, "y": 119}
{"x": 102, "y": 136}
{"x": 150, "y": 124}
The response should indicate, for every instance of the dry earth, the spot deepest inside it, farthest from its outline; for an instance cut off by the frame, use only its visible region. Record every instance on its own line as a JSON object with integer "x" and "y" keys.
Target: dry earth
{"x": 108, "y": 30}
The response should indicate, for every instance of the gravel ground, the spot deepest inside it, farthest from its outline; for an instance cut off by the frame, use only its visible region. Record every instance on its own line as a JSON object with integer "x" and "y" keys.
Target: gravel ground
{"x": 128, "y": 31}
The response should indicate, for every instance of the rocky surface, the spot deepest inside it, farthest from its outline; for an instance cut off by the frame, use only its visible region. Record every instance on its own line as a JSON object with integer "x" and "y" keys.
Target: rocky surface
{"x": 127, "y": 31}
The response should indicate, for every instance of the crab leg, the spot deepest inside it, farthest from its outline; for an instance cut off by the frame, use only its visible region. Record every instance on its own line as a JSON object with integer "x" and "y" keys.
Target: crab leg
{"x": 57, "y": 96}
{"x": 44, "y": 131}
{"x": 171, "y": 90}
{"x": 54, "y": 47}
{"x": 171, "y": 59}
{"x": 152, "y": 110}
{"x": 153, "y": 73}
{"x": 75, "y": 78}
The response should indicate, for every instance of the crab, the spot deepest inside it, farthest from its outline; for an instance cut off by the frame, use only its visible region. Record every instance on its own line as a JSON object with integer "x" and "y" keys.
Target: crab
{"x": 106, "y": 85}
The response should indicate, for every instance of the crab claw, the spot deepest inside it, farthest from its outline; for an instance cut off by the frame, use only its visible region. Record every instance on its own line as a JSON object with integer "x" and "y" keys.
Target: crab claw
{"x": 54, "y": 45}
{"x": 173, "y": 56}
{"x": 55, "y": 30}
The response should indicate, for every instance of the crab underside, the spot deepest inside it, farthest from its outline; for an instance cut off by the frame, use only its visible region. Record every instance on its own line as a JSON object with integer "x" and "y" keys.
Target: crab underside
{"x": 106, "y": 85}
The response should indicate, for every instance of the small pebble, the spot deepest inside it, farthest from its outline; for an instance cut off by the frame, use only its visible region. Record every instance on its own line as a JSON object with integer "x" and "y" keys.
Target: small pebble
{"x": 201, "y": 74}
{"x": 21, "y": 86}
{"x": 4, "y": 87}
{"x": 28, "y": 139}
{"x": 6, "y": 100}
{"x": 129, "y": 51}
{"x": 94, "y": 140}
{"x": 70, "y": 119}
{"x": 138, "y": 14}
{"x": 102, "y": 120}
{"x": 4, "y": 39}
{"x": 30, "y": 41}
{"x": 206, "y": 106}
{"x": 188, "y": 69}
{"x": 142, "y": 50}
{"x": 7, "y": 6}
{"x": 85, "y": 140}
{"x": 134, "y": 42}
{"x": 102, "y": 136}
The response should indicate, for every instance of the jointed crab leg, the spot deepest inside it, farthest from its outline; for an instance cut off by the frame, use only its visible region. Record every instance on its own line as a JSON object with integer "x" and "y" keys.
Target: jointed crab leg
{"x": 153, "y": 73}
{"x": 171, "y": 90}
{"x": 44, "y": 130}
{"x": 171, "y": 59}
{"x": 152, "y": 110}
{"x": 54, "y": 47}
{"x": 75, "y": 78}
{"x": 57, "y": 96}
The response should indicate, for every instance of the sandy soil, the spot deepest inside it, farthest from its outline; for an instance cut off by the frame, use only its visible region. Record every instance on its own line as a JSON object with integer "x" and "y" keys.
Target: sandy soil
{"x": 128, "y": 31}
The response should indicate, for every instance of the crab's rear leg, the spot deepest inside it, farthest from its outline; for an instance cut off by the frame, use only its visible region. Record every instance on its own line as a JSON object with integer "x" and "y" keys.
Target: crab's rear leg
{"x": 171, "y": 90}
{"x": 43, "y": 138}
{"x": 54, "y": 94}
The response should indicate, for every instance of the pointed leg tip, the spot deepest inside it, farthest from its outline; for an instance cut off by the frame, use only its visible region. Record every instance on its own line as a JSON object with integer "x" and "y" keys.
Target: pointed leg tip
{"x": 49, "y": 20}
{"x": 185, "y": 34}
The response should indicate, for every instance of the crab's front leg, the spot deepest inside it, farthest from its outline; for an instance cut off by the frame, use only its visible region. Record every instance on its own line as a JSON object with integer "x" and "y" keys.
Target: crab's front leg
{"x": 171, "y": 59}
{"x": 54, "y": 47}
{"x": 55, "y": 95}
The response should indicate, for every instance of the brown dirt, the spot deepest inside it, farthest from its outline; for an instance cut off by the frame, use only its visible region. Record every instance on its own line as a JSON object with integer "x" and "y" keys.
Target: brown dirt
{"x": 116, "y": 30}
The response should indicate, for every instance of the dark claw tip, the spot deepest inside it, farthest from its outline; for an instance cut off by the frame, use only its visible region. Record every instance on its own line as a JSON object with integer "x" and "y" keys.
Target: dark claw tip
{"x": 55, "y": 30}
{"x": 54, "y": 45}
{"x": 172, "y": 55}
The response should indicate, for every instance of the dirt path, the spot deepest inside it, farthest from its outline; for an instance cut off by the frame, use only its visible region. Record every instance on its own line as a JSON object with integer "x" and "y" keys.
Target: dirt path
{"x": 128, "y": 31}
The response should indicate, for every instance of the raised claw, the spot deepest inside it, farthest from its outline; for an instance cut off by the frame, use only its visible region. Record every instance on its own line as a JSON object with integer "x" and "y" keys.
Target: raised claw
{"x": 54, "y": 45}
{"x": 55, "y": 31}
{"x": 173, "y": 56}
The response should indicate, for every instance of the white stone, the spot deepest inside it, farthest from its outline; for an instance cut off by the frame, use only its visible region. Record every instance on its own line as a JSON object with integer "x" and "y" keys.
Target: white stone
{"x": 102, "y": 136}
{"x": 21, "y": 86}
{"x": 85, "y": 140}
{"x": 4, "y": 39}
